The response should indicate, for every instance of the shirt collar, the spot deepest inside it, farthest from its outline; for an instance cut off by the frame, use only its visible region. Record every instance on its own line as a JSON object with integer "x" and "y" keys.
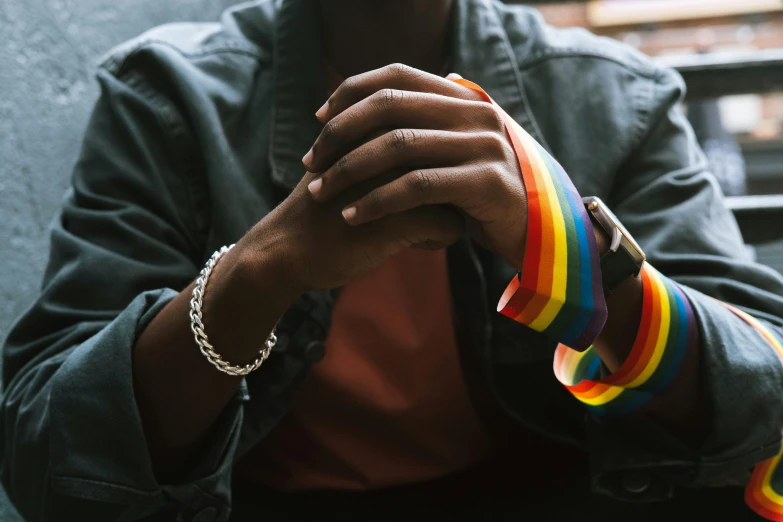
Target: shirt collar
{"x": 481, "y": 52}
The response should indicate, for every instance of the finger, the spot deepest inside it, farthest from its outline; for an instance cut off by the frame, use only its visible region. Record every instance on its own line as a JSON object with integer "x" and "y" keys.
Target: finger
{"x": 430, "y": 227}
{"x": 391, "y": 108}
{"x": 395, "y": 76}
{"x": 464, "y": 187}
{"x": 408, "y": 147}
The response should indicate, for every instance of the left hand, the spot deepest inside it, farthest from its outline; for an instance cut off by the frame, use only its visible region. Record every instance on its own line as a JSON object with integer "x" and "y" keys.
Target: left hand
{"x": 450, "y": 144}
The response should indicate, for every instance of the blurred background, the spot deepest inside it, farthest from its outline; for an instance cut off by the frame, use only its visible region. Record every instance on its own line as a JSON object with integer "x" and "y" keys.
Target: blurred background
{"x": 730, "y": 53}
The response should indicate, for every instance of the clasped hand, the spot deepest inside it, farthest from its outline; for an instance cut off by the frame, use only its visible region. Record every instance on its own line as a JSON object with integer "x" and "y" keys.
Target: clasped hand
{"x": 405, "y": 159}
{"x": 450, "y": 146}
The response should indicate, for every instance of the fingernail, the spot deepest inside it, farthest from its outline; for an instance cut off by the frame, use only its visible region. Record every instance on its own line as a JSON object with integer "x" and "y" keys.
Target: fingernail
{"x": 315, "y": 186}
{"x": 321, "y": 113}
{"x": 308, "y": 158}
{"x": 349, "y": 213}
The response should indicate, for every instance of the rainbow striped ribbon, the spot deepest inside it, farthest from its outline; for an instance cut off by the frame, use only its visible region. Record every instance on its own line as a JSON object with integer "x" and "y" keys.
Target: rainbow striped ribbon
{"x": 667, "y": 331}
{"x": 559, "y": 291}
{"x": 764, "y": 492}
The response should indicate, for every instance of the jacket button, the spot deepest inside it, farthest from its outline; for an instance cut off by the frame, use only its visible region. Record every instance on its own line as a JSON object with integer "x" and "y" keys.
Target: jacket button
{"x": 635, "y": 481}
{"x": 315, "y": 351}
{"x": 208, "y": 514}
{"x": 281, "y": 344}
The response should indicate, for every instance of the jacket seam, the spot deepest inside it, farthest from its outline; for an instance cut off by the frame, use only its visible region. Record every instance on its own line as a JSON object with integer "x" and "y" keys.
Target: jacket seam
{"x": 539, "y": 57}
{"x": 696, "y": 466}
{"x": 520, "y": 84}
{"x": 116, "y": 63}
{"x": 644, "y": 111}
{"x": 176, "y": 134}
{"x": 64, "y": 480}
{"x": 774, "y": 445}
{"x": 643, "y": 97}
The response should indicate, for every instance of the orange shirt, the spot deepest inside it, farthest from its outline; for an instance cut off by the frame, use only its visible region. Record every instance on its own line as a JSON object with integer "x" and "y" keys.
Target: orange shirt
{"x": 388, "y": 403}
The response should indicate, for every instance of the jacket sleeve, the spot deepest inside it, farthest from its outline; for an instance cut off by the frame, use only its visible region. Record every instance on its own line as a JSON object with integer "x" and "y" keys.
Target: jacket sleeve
{"x": 672, "y": 205}
{"x": 126, "y": 241}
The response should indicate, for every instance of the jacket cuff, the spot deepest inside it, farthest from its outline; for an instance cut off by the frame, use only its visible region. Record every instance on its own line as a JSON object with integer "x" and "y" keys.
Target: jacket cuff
{"x": 744, "y": 381}
{"x": 98, "y": 449}
{"x": 637, "y": 459}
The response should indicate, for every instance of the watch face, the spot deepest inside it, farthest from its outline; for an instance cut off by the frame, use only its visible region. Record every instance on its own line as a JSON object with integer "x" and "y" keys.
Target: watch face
{"x": 616, "y": 222}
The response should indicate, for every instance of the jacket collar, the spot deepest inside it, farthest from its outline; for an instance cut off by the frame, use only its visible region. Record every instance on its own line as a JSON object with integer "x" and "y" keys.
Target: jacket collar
{"x": 481, "y": 52}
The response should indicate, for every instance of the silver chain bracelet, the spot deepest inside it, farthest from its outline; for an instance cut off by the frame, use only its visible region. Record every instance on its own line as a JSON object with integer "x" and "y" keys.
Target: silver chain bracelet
{"x": 197, "y": 325}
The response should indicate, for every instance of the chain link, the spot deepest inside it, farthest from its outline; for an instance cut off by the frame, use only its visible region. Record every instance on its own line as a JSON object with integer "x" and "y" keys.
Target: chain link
{"x": 197, "y": 325}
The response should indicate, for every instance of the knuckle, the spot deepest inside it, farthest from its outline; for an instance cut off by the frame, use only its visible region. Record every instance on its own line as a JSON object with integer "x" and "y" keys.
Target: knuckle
{"x": 496, "y": 175}
{"x": 372, "y": 202}
{"x": 402, "y": 140}
{"x": 495, "y": 179}
{"x": 488, "y": 115}
{"x": 398, "y": 69}
{"x": 348, "y": 87}
{"x": 387, "y": 98}
{"x": 489, "y": 179}
{"x": 422, "y": 181}
{"x": 496, "y": 143}
{"x": 342, "y": 165}
{"x": 329, "y": 131}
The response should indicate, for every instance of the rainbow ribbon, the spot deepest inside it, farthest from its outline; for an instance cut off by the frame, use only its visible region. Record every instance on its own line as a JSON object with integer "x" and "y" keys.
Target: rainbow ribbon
{"x": 764, "y": 492}
{"x": 667, "y": 331}
{"x": 559, "y": 293}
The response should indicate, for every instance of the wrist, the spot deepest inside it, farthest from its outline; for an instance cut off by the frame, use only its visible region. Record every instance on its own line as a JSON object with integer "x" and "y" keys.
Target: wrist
{"x": 243, "y": 301}
{"x": 263, "y": 269}
{"x": 624, "y": 309}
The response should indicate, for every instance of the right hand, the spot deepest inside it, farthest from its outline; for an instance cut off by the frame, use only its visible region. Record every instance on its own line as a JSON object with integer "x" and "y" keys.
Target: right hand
{"x": 314, "y": 248}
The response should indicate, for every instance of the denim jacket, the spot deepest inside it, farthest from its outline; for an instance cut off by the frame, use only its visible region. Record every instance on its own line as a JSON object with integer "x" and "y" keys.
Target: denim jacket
{"x": 198, "y": 133}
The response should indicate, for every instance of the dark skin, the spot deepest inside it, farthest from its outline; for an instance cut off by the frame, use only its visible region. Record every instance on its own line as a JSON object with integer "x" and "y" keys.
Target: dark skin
{"x": 471, "y": 165}
{"x": 446, "y": 169}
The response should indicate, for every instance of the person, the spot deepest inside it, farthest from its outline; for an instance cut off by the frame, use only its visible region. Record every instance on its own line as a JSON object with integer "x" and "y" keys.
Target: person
{"x": 379, "y": 212}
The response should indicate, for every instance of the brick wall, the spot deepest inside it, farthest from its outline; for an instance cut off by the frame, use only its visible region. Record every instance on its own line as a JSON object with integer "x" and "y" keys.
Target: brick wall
{"x": 747, "y": 32}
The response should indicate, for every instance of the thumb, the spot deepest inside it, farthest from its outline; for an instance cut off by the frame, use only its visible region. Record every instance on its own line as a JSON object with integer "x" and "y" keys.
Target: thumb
{"x": 453, "y": 76}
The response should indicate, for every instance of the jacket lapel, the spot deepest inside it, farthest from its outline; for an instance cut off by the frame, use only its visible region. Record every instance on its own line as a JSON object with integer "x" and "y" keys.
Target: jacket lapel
{"x": 300, "y": 88}
{"x": 481, "y": 52}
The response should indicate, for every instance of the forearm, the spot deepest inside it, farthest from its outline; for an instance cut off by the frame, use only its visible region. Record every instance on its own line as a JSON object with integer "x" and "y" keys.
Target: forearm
{"x": 681, "y": 408}
{"x": 180, "y": 394}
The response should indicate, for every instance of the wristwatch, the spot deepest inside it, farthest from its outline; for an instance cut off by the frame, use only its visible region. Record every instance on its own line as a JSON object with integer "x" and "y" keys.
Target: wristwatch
{"x": 624, "y": 258}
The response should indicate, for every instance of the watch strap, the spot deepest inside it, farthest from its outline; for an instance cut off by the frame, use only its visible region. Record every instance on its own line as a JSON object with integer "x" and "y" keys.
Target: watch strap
{"x": 616, "y": 267}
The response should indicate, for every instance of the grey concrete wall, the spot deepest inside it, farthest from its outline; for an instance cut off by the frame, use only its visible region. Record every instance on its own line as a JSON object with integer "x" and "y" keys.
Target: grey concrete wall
{"x": 48, "y": 52}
